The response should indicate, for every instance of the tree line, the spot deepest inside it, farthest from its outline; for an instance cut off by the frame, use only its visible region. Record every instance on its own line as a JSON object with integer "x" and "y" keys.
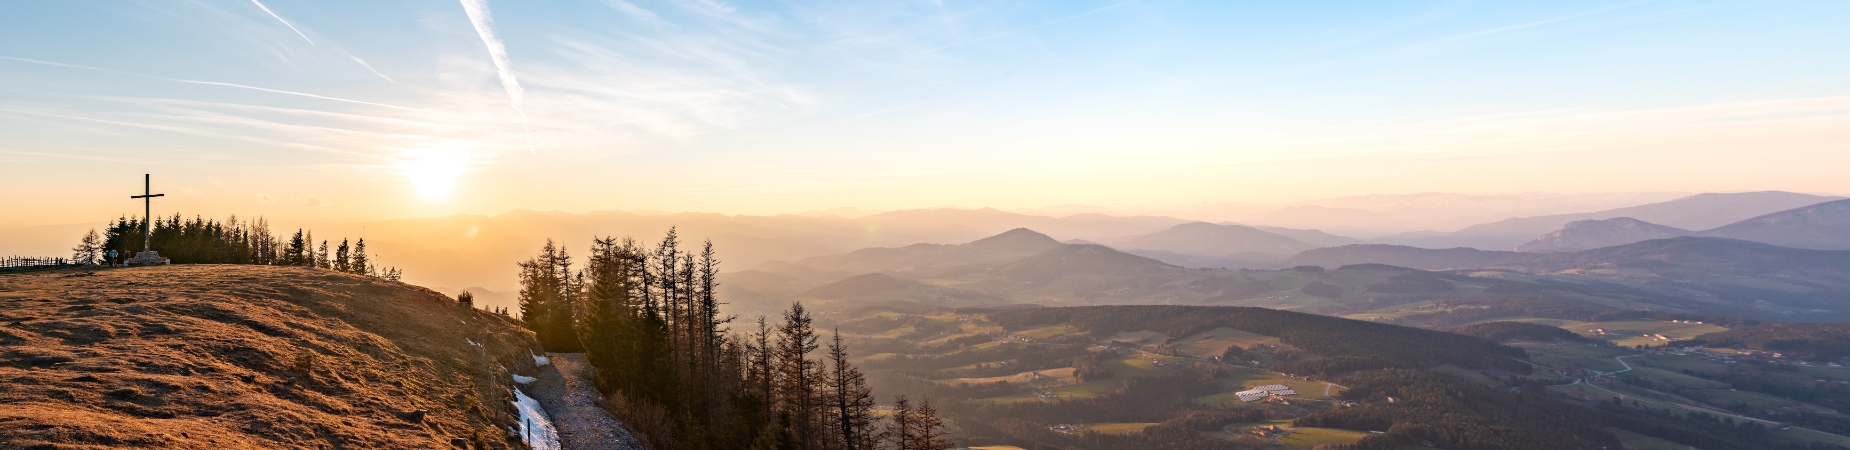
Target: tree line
{"x": 681, "y": 377}
{"x": 1345, "y": 345}
{"x": 206, "y": 241}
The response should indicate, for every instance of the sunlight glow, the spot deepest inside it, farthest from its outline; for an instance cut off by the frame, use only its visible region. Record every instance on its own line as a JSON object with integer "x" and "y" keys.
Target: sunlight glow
{"x": 433, "y": 173}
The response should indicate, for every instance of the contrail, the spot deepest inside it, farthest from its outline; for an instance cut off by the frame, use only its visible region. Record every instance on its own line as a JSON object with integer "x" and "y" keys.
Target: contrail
{"x": 370, "y": 67}
{"x": 497, "y": 51}
{"x": 215, "y": 83}
{"x": 286, "y": 23}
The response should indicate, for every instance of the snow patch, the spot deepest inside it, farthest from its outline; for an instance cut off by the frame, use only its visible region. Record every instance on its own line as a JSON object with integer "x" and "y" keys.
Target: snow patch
{"x": 472, "y": 342}
{"x": 524, "y": 380}
{"x": 540, "y": 360}
{"x": 535, "y": 428}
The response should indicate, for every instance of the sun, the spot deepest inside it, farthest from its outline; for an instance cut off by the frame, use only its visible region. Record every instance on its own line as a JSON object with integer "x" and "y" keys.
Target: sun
{"x": 433, "y": 174}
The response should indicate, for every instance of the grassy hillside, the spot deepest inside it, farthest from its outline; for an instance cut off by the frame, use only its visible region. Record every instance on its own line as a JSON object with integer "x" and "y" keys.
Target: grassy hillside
{"x": 248, "y": 357}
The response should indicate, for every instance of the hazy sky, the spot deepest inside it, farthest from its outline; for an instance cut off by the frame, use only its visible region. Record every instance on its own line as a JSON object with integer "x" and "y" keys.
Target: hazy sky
{"x": 340, "y": 110}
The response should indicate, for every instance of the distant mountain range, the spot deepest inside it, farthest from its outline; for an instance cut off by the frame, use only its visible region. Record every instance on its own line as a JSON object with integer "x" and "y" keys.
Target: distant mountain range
{"x": 1696, "y": 212}
{"x": 1207, "y": 239}
{"x": 1823, "y": 226}
{"x": 1590, "y": 234}
{"x": 474, "y": 250}
{"x": 1021, "y": 266}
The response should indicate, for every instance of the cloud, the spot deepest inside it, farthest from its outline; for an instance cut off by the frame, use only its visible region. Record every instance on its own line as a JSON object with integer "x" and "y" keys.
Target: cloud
{"x": 370, "y": 68}
{"x": 265, "y": 198}
{"x": 708, "y": 7}
{"x": 215, "y": 83}
{"x": 484, "y": 23}
{"x": 286, "y": 23}
{"x": 310, "y": 202}
{"x": 636, "y": 12}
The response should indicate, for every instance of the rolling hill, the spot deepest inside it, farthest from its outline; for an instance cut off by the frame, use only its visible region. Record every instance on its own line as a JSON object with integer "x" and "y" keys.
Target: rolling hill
{"x": 1824, "y": 226}
{"x": 248, "y": 357}
{"x": 1588, "y": 234}
{"x": 1212, "y": 240}
{"x": 1696, "y": 212}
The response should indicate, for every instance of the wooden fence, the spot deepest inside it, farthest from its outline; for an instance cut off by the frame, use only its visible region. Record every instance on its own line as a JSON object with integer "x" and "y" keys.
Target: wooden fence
{"x": 13, "y": 263}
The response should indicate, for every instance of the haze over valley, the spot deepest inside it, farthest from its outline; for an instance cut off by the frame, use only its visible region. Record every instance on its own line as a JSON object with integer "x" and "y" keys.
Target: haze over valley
{"x": 924, "y": 225}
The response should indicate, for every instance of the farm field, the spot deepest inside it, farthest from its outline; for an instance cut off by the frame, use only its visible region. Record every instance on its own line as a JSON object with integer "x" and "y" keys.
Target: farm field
{"x": 1764, "y": 401}
{"x": 1119, "y": 428}
{"x": 1575, "y": 356}
{"x": 1064, "y": 373}
{"x": 1211, "y": 343}
{"x": 1666, "y": 376}
{"x": 1310, "y": 437}
{"x": 1639, "y": 332}
{"x": 1635, "y": 441}
{"x": 1248, "y": 378}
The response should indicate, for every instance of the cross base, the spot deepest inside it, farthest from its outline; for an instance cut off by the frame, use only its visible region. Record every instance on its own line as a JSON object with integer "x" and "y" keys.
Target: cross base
{"x": 147, "y": 258}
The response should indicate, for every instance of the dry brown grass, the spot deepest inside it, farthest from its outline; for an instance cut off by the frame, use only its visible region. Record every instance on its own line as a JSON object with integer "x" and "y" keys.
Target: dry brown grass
{"x": 223, "y": 357}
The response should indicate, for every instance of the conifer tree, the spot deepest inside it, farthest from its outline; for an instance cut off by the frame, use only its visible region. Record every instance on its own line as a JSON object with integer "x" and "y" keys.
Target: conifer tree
{"x": 296, "y": 253}
{"x": 547, "y": 298}
{"x": 851, "y": 401}
{"x": 797, "y": 374}
{"x": 899, "y": 429}
{"x": 342, "y": 259}
{"x": 927, "y": 428}
{"x": 358, "y": 263}
{"x": 89, "y": 250}
{"x": 321, "y": 257}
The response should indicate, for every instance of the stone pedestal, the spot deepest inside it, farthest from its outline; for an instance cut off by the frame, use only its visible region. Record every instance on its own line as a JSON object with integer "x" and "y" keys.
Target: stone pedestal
{"x": 147, "y": 258}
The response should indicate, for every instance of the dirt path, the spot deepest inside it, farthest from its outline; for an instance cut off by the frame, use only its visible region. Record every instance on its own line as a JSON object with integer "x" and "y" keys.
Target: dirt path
{"x": 570, "y": 397}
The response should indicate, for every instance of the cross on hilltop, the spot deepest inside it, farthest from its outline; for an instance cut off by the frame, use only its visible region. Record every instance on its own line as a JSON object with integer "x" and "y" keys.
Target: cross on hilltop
{"x": 147, "y": 257}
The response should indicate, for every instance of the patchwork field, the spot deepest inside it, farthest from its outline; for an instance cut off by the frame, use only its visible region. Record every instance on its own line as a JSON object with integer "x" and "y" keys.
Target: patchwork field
{"x": 1248, "y": 378}
{"x": 1211, "y": 343}
{"x": 1579, "y": 356}
{"x": 1311, "y": 437}
{"x": 1119, "y": 428}
{"x": 1635, "y": 441}
{"x": 1641, "y": 332}
{"x": 1049, "y": 375}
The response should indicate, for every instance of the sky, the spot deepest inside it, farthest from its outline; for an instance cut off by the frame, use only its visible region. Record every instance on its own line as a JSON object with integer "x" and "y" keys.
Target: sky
{"x": 363, "y": 110}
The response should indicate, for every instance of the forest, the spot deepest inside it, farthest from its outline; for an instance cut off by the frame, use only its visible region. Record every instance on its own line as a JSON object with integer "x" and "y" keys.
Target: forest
{"x": 1347, "y": 345}
{"x": 681, "y": 376}
{"x": 1816, "y": 341}
{"x": 1518, "y": 331}
{"x": 1438, "y": 410}
{"x": 207, "y": 241}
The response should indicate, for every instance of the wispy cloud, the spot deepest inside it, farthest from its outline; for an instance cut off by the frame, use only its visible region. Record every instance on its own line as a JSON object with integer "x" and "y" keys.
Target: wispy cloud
{"x": 712, "y": 8}
{"x": 370, "y": 68}
{"x": 286, "y": 23}
{"x": 484, "y": 23}
{"x": 216, "y": 83}
{"x": 637, "y": 12}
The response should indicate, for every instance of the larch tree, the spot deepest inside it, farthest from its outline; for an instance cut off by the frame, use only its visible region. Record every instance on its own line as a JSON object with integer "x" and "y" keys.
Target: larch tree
{"x": 851, "y": 401}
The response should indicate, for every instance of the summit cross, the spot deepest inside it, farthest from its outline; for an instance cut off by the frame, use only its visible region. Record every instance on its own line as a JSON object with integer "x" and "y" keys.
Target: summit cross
{"x": 147, "y": 203}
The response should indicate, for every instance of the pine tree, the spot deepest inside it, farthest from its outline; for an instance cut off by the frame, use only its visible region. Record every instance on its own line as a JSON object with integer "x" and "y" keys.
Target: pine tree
{"x": 296, "y": 253}
{"x": 358, "y": 264}
{"x": 851, "y": 400}
{"x": 927, "y": 428}
{"x": 547, "y": 298}
{"x": 797, "y": 374}
{"x": 899, "y": 429}
{"x": 89, "y": 250}
{"x": 342, "y": 259}
{"x": 760, "y": 358}
{"x": 321, "y": 257}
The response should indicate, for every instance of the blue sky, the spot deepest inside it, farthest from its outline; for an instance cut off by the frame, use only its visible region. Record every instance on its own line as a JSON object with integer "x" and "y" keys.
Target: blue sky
{"x": 355, "y": 110}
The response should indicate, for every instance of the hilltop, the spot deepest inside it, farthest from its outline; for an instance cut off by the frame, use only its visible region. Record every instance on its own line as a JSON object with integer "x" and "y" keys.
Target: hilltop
{"x": 199, "y": 356}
